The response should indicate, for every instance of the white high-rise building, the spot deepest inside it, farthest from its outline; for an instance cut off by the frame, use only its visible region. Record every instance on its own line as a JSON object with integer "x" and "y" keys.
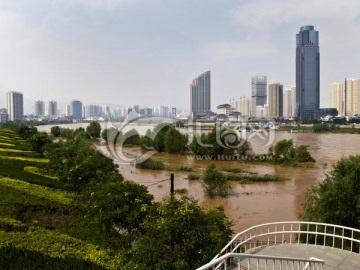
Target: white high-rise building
{"x": 52, "y": 108}
{"x": 39, "y": 108}
{"x": 15, "y": 105}
{"x": 235, "y": 104}
{"x": 275, "y": 100}
{"x": 288, "y": 110}
{"x": 352, "y": 97}
{"x": 337, "y": 97}
{"x": 244, "y": 106}
{"x": 92, "y": 111}
{"x": 68, "y": 112}
{"x": 293, "y": 100}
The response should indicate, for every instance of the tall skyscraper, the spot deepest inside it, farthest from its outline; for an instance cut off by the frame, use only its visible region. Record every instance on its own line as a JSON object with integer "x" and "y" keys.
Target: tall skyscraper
{"x": 76, "y": 109}
{"x": 39, "y": 108}
{"x": 200, "y": 95}
{"x": 352, "y": 97}
{"x": 52, "y": 109}
{"x": 336, "y": 97}
{"x": 307, "y": 73}
{"x": 258, "y": 93}
{"x": 15, "y": 105}
{"x": 275, "y": 100}
{"x": 287, "y": 104}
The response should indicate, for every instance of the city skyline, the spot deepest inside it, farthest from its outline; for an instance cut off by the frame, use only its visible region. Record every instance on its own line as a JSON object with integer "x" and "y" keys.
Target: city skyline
{"x": 128, "y": 51}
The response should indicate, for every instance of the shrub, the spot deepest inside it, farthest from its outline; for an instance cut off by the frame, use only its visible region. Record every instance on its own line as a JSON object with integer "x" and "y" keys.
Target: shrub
{"x": 151, "y": 164}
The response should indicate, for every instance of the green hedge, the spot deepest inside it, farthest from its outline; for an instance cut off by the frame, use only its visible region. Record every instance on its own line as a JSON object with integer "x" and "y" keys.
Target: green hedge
{"x": 38, "y": 246}
{"x": 13, "y": 258}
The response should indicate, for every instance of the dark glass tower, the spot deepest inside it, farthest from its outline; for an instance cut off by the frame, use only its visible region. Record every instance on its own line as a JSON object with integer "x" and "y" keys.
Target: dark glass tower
{"x": 200, "y": 95}
{"x": 307, "y": 74}
{"x": 258, "y": 93}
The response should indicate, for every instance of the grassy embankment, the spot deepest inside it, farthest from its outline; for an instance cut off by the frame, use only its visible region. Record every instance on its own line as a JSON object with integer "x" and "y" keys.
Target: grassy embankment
{"x": 39, "y": 224}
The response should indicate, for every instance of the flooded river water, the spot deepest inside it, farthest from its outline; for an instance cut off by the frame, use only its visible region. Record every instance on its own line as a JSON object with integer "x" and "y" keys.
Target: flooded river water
{"x": 255, "y": 203}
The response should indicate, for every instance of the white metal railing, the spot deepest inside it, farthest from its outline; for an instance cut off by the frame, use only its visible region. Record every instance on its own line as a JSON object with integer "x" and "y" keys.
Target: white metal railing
{"x": 252, "y": 261}
{"x": 292, "y": 232}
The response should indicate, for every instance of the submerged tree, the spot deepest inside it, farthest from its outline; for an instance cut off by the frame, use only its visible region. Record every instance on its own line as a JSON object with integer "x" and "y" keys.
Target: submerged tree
{"x": 214, "y": 182}
{"x": 220, "y": 143}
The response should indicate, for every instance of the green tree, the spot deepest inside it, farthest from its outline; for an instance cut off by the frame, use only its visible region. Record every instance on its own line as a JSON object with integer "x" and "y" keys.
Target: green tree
{"x": 77, "y": 163}
{"x": 159, "y": 134}
{"x": 214, "y": 182}
{"x": 120, "y": 204}
{"x": 283, "y": 150}
{"x": 39, "y": 140}
{"x": 93, "y": 130}
{"x": 56, "y": 131}
{"x": 179, "y": 234}
{"x": 175, "y": 142}
{"x": 336, "y": 200}
{"x": 131, "y": 137}
{"x": 220, "y": 143}
{"x": 111, "y": 134}
{"x": 286, "y": 152}
{"x": 302, "y": 154}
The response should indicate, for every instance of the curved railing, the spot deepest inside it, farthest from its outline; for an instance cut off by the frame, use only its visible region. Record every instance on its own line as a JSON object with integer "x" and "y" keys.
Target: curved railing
{"x": 290, "y": 232}
{"x": 252, "y": 261}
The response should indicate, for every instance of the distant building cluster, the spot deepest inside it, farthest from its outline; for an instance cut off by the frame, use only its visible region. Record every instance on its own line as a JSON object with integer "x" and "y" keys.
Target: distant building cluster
{"x": 345, "y": 97}
{"x": 299, "y": 102}
{"x": 77, "y": 111}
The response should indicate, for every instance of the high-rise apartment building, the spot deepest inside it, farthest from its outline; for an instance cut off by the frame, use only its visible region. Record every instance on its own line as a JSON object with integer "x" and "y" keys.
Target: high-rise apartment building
{"x": 275, "y": 100}
{"x": 235, "y": 104}
{"x": 92, "y": 111}
{"x": 337, "y": 97}
{"x": 293, "y": 101}
{"x": 307, "y": 73}
{"x": 244, "y": 106}
{"x": 52, "y": 108}
{"x": 258, "y": 93}
{"x": 287, "y": 112}
{"x": 76, "y": 109}
{"x": 352, "y": 97}
{"x": 15, "y": 105}
{"x": 200, "y": 95}
{"x": 39, "y": 108}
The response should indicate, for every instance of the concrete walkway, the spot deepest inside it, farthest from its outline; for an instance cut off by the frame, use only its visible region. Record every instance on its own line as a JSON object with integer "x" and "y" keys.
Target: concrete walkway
{"x": 335, "y": 259}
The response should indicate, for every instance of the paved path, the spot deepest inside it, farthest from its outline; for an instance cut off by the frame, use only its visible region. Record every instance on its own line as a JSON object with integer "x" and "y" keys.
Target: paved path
{"x": 335, "y": 259}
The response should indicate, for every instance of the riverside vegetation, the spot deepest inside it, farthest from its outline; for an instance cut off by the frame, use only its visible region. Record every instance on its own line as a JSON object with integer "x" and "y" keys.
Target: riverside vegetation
{"x": 224, "y": 142}
{"x": 63, "y": 205}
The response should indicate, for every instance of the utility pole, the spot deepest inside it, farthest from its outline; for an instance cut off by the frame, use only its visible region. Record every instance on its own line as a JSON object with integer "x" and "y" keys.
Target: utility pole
{"x": 172, "y": 184}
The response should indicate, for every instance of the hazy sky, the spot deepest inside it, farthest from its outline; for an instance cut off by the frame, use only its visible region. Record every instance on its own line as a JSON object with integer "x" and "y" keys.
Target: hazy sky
{"x": 148, "y": 51}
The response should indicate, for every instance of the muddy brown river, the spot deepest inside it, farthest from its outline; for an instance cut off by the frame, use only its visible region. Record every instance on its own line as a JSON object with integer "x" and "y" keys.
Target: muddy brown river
{"x": 249, "y": 204}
